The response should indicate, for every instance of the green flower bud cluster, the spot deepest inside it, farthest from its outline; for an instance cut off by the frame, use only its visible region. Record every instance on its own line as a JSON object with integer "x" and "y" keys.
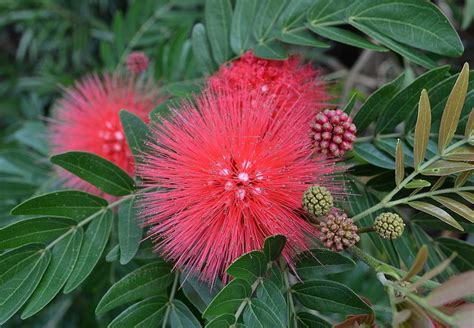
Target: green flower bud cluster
{"x": 389, "y": 225}
{"x": 317, "y": 200}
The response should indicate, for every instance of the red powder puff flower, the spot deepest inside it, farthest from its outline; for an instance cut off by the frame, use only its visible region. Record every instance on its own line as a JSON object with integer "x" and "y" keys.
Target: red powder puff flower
{"x": 228, "y": 175}
{"x": 285, "y": 80}
{"x": 137, "y": 62}
{"x": 87, "y": 119}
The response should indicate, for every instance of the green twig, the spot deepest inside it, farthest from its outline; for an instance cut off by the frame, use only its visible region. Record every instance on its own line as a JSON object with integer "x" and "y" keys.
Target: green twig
{"x": 170, "y": 301}
{"x": 386, "y": 201}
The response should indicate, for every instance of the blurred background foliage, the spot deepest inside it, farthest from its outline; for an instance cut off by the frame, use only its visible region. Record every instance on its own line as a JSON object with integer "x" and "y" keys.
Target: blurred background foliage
{"x": 46, "y": 44}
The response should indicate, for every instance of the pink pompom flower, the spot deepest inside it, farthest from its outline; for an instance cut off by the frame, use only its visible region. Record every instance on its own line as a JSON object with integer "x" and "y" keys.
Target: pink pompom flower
{"x": 137, "y": 62}
{"x": 87, "y": 119}
{"x": 229, "y": 174}
{"x": 286, "y": 81}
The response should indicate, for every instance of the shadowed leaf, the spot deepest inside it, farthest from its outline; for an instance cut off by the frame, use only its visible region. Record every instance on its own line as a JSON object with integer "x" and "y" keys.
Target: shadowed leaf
{"x": 456, "y": 207}
{"x": 470, "y": 125}
{"x": 436, "y": 212}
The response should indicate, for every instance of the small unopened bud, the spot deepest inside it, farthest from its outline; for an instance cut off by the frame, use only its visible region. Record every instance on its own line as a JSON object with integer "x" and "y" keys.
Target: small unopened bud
{"x": 338, "y": 232}
{"x": 137, "y": 62}
{"x": 389, "y": 225}
{"x": 317, "y": 200}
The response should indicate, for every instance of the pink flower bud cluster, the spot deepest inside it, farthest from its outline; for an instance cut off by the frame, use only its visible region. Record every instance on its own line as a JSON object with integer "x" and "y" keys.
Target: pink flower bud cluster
{"x": 333, "y": 132}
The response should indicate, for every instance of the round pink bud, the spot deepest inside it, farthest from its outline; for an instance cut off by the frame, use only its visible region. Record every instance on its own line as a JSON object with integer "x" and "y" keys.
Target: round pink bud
{"x": 333, "y": 132}
{"x": 137, "y": 62}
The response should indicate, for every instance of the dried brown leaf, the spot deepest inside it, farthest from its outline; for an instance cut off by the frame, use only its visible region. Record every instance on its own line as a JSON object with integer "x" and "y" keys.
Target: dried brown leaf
{"x": 418, "y": 264}
{"x": 454, "y": 289}
{"x": 464, "y": 315}
{"x": 422, "y": 129}
{"x": 433, "y": 272}
{"x": 399, "y": 164}
{"x": 465, "y": 154}
{"x": 452, "y": 111}
{"x": 442, "y": 167}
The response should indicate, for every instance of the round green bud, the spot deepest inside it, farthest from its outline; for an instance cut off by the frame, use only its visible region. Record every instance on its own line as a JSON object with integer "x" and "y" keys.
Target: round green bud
{"x": 389, "y": 225}
{"x": 317, "y": 200}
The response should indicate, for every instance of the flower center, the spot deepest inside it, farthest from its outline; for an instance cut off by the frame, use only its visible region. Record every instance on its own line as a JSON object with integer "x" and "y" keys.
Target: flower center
{"x": 241, "y": 180}
{"x": 113, "y": 139}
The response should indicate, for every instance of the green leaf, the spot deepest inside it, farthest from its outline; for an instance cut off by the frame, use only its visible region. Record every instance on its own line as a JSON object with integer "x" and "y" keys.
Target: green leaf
{"x": 201, "y": 49}
{"x": 259, "y": 314}
{"x": 372, "y": 155}
{"x": 422, "y": 129}
{"x": 37, "y": 230}
{"x": 229, "y": 298}
{"x": 377, "y": 102}
{"x": 467, "y": 196}
{"x": 63, "y": 259}
{"x": 93, "y": 245}
{"x": 308, "y": 320}
{"x": 417, "y": 183}
{"x": 198, "y": 293}
{"x": 267, "y": 15}
{"x": 147, "y": 313}
{"x": 273, "y": 246}
{"x": 464, "y": 250}
{"x": 162, "y": 110}
{"x": 350, "y": 104}
{"x": 146, "y": 281}
{"x": 322, "y": 261}
{"x": 389, "y": 145}
{"x": 129, "y": 231}
{"x": 404, "y": 101}
{"x": 461, "y": 179}
{"x": 20, "y": 273}
{"x": 345, "y": 36}
{"x": 271, "y": 50}
{"x": 440, "y": 168}
{"x": 222, "y": 321}
{"x": 302, "y": 38}
{"x": 330, "y": 297}
{"x": 411, "y": 54}
{"x": 428, "y": 29}
{"x": 328, "y": 12}
{"x": 136, "y": 132}
{"x": 181, "y": 316}
{"x": 249, "y": 267}
{"x": 218, "y": 15}
{"x": 399, "y": 164}
{"x": 270, "y": 295}
{"x": 96, "y": 170}
{"x": 241, "y": 27}
{"x": 452, "y": 111}
{"x": 456, "y": 207}
{"x": 436, "y": 212}
{"x": 69, "y": 203}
